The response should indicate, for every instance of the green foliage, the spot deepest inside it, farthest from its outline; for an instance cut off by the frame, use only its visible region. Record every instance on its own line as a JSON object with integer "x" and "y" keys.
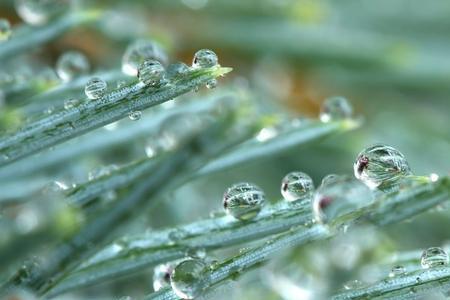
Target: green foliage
{"x": 160, "y": 151}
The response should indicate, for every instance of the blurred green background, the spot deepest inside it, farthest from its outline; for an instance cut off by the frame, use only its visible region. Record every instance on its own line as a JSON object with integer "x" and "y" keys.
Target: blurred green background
{"x": 391, "y": 59}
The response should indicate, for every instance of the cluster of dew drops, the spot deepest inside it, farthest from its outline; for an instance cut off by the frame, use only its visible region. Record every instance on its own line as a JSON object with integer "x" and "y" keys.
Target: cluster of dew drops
{"x": 376, "y": 166}
{"x": 143, "y": 58}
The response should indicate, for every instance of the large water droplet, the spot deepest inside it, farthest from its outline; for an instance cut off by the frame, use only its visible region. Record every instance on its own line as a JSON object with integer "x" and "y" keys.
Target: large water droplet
{"x": 335, "y": 108}
{"x": 204, "y": 58}
{"x": 434, "y": 257}
{"x": 381, "y": 166}
{"x": 297, "y": 186}
{"x": 151, "y": 72}
{"x": 72, "y": 64}
{"x": 135, "y": 115}
{"x": 95, "y": 88}
{"x": 139, "y": 51}
{"x": 161, "y": 276}
{"x": 36, "y": 12}
{"x": 187, "y": 278}
{"x": 397, "y": 271}
{"x": 176, "y": 71}
{"x": 243, "y": 200}
{"x": 339, "y": 198}
{"x": 5, "y": 30}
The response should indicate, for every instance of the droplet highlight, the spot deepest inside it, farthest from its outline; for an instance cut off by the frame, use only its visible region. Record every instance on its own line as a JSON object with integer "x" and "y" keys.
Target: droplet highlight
{"x": 381, "y": 166}
{"x": 95, "y": 88}
{"x": 335, "y": 108}
{"x": 176, "y": 71}
{"x": 243, "y": 201}
{"x": 297, "y": 186}
{"x": 71, "y": 65}
{"x": 434, "y": 257}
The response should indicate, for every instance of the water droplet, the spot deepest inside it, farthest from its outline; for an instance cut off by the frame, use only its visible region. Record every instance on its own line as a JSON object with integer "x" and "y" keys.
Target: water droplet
{"x": 381, "y": 166}
{"x": 339, "y": 198}
{"x": 39, "y": 12}
{"x": 177, "y": 234}
{"x": 397, "y": 271}
{"x": 135, "y": 115}
{"x": 5, "y": 30}
{"x": 176, "y": 71}
{"x": 95, "y": 88}
{"x": 72, "y": 64}
{"x": 243, "y": 200}
{"x": 151, "y": 72}
{"x": 187, "y": 278}
{"x": 353, "y": 284}
{"x": 71, "y": 103}
{"x": 121, "y": 84}
{"x": 139, "y": 51}
{"x": 335, "y": 108}
{"x": 329, "y": 179}
{"x": 266, "y": 134}
{"x": 204, "y": 58}
{"x": 297, "y": 186}
{"x": 102, "y": 171}
{"x": 434, "y": 177}
{"x": 161, "y": 276}
{"x": 434, "y": 257}
{"x": 211, "y": 84}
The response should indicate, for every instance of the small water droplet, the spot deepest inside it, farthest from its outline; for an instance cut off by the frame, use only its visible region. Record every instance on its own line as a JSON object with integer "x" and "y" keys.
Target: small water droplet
{"x": 39, "y": 12}
{"x": 338, "y": 198}
{"x": 397, "y": 271}
{"x": 434, "y": 257}
{"x": 434, "y": 177}
{"x": 335, "y": 108}
{"x": 95, "y": 88}
{"x": 176, "y": 71}
{"x": 71, "y": 103}
{"x": 297, "y": 186}
{"x": 161, "y": 276}
{"x": 71, "y": 65}
{"x": 204, "y": 58}
{"x": 381, "y": 166}
{"x": 135, "y": 115}
{"x": 353, "y": 284}
{"x": 187, "y": 278}
{"x": 5, "y": 30}
{"x": 152, "y": 147}
{"x": 266, "y": 134}
{"x": 102, "y": 171}
{"x": 151, "y": 72}
{"x": 243, "y": 201}
{"x": 139, "y": 51}
{"x": 211, "y": 84}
